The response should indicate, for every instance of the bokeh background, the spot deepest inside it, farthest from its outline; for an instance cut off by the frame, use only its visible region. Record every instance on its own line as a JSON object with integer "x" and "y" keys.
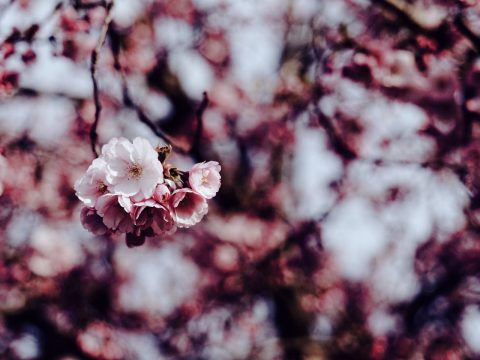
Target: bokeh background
{"x": 347, "y": 225}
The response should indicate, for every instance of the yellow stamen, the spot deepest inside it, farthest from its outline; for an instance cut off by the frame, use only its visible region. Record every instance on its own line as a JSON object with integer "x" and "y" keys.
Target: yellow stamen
{"x": 135, "y": 171}
{"x": 205, "y": 177}
{"x": 101, "y": 187}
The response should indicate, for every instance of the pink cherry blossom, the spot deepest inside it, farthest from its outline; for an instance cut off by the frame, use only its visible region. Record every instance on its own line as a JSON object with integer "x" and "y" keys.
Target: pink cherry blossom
{"x": 150, "y": 213}
{"x": 115, "y": 211}
{"x": 189, "y": 207}
{"x": 93, "y": 183}
{"x": 126, "y": 190}
{"x": 204, "y": 178}
{"x": 92, "y": 221}
{"x": 163, "y": 221}
{"x": 141, "y": 215}
{"x": 133, "y": 169}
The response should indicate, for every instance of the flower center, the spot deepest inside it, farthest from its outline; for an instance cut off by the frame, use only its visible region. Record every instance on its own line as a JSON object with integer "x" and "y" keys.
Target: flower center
{"x": 101, "y": 187}
{"x": 205, "y": 177}
{"x": 135, "y": 171}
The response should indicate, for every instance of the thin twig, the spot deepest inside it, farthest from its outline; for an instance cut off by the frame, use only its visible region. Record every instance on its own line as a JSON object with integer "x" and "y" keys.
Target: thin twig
{"x": 130, "y": 103}
{"x": 93, "y": 73}
{"x": 337, "y": 143}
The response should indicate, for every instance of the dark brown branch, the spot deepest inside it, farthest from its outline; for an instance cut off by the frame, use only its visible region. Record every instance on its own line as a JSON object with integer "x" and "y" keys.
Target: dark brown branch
{"x": 128, "y": 101}
{"x": 336, "y": 142}
{"x": 404, "y": 12}
{"x": 93, "y": 73}
{"x": 467, "y": 92}
{"x": 459, "y": 23}
{"x": 197, "y": 137}
{"x": 78, "y": 4}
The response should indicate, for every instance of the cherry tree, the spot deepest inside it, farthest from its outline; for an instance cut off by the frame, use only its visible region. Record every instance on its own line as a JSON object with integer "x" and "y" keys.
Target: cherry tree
{"x": 219, "y": 179}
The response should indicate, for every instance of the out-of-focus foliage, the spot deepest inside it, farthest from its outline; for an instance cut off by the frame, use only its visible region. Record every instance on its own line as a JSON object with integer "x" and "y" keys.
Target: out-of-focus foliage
{"x": 347, "y": 224}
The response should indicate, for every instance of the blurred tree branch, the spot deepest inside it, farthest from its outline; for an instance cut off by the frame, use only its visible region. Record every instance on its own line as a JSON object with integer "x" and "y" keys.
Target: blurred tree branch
{"x": 93, "y": 72}
{"x": 78, "y": 4}
{"x": 195, "y": 148}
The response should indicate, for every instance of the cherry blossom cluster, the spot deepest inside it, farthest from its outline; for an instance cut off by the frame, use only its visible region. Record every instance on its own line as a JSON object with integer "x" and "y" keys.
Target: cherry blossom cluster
{"x": 130, "y": 189}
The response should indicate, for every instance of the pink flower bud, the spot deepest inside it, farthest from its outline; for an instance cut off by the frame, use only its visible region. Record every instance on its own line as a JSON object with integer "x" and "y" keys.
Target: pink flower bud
{"x": 162, "y": 193}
